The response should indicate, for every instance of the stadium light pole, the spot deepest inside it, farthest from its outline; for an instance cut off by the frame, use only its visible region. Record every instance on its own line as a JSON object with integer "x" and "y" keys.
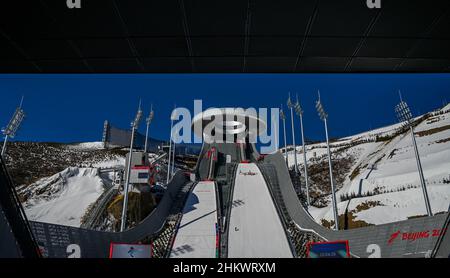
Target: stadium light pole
{"x": 277, "y": 134}
{"x": 4, "y": 145}
{"x": 134, "y": 126}
{"x": 299, "y": 111}
{"x": 13, "y": 126}
{"x": 404, "y": 115}
{"x": 283, "y": 118}
{"x": 148, "y": 121}
{"x": 290, "y": 105}
{"x": 173, "y": 118}
{"x": 173, "y": 158}
{"x": 170, "y": 148}
{"x": 323, "y": 116}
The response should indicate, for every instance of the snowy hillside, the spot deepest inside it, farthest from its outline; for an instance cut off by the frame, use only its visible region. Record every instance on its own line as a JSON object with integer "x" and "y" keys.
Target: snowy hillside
{"x": 30, "y": 161}
{"x": 87, "y": 146}
{"x": 379, "y": 182}
{"x": 64, "y": 197}
{"x": 57, "y": 182}
{"x": 68, "y": 180}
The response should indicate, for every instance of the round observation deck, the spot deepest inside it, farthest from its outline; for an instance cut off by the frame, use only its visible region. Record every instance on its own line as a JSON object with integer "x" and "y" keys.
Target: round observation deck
{"x": 227, "y": 122}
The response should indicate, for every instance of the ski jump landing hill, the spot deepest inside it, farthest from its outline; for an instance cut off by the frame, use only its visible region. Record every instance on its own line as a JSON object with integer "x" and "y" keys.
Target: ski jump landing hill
{"x": 255, "y": 227}
{"x": 197, "y": 233}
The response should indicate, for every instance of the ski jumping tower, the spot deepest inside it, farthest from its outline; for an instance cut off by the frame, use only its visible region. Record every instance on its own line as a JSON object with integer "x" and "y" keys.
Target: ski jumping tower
{"x": 229, "y": 136}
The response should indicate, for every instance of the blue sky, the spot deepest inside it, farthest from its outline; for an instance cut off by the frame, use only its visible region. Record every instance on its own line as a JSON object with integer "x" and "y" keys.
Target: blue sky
{"x": 72, "y": 108}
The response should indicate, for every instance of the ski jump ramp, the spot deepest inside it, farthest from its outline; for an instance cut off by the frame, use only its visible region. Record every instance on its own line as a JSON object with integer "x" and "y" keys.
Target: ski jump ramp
{"x": 255, "y": 228}
{"x": 197, "y": 234}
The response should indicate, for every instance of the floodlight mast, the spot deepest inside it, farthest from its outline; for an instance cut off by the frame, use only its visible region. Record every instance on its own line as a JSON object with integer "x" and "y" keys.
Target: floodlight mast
{"x": 404, "y": 115}
{"x": 4, "y": 146}
{"x": 13, "y": 126}
{"x": 291, "y": 107}
{"x": 283, "y": 118}
{"x": 174, "y": 145}
{"x": 277, "y": 134}
{"x": 134, "y": 126}
{"x": 173, "y": 158}
{"x": 323, "y": 116}
{"x": 170, "y": 147}
{"x": 148, "y": 121}
{"x": 299, "y": 111}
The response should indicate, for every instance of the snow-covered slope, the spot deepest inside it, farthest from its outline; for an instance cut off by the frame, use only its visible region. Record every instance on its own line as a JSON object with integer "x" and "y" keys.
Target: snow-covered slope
{"x": 60, "y": 183}
{"x": 65, "y": 179}
{"x": 110, "y": 163}
{"x": 62, "y": 198}
{"x": 382, "y": 185}
{"x": 30, "y": 161}
{"x": 86, "y": 146}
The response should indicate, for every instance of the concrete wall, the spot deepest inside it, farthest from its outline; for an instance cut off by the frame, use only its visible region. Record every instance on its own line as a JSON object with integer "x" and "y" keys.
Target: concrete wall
{"x": 197, "y": 232}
